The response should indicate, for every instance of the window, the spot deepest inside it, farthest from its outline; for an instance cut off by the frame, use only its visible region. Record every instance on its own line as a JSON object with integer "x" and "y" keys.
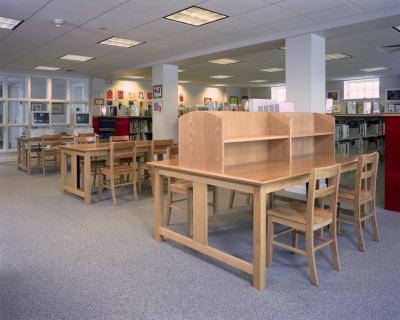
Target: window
{"x": 1, "y": 112}
{"x": 361, "y": 89}
{"x": 59, "y": 89}
{"x": 79, "y": 90}
{"x": 1, "y": 87}
{"x": 16, "y": 87}
{"x": 17, "y": 112}
{"x": 278, "y": 93}
{"x": 38, "y": 88}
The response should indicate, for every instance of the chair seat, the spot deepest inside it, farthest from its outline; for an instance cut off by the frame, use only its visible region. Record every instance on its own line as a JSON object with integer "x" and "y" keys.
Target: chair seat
{"x": 117, "y": 169}
{"x": 296, "y": 212}
{"x": 349, "y": 195}
{"x": 181, "y": 186}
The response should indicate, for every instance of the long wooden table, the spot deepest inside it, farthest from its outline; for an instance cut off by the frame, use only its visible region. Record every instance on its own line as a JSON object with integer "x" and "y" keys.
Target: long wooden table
{"x": 24, "y": 151}
{"x": 258, "y": 179}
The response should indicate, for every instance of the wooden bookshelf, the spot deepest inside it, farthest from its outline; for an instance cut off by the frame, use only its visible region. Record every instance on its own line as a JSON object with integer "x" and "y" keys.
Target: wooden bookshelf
{"x": 138, "y": 127}
{"x": 216, "y": 141}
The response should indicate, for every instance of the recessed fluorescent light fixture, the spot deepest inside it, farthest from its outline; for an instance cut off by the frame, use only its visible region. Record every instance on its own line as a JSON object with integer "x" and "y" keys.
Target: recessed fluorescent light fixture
{"x": 181, "y": 70}
{"x": 75, "y": 57}
{"x": 375, "y": 69}
{"x": 272, "y": 69}
{"x": 282, "y": 48}
{"x": 121, "y": 42}
{"x": 397, "y": 28}
{"x": 337, "y": 56}
{"x": 184, "y": 81}
{"x": 219, "y": 85}
{"x": 220, "y": 76}
{"x": 45, "y": 68}
{"x": 195, "y": 16}
{"x": 224, "y": 61}
{"x": 135, "y": 77}
{"x": 9, "y": 23}
{"x": 259, "y": 81}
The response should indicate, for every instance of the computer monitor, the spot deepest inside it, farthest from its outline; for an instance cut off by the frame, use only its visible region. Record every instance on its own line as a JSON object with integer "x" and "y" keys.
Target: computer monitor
{"x": 40, "y": 118}
{"x": 82, "y": 119}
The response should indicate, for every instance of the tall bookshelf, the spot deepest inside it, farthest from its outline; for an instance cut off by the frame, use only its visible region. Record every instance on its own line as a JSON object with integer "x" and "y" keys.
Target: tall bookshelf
{"x": 359, "y": 133}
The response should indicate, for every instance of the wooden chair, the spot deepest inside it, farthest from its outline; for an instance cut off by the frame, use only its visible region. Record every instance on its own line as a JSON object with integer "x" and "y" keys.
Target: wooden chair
{"x": 96, "y": 162}
{"x": 87, "y": 134}
{"x": 143, "y": 154}
{"x": 363, "y": 195}
{"x": 118, "y": 151}
{"x": 49, "y": 150}
{"x": 307, "y": 218}
{"x": 119, "y": 138}
{"x": 232, "y": 198}
{"x": 185, "y": 189}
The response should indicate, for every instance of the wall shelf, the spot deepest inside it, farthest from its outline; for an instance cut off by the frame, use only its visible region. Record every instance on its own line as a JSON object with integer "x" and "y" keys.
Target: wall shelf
{"x": 311, "y": 134}
{"x": 261, "y": 138}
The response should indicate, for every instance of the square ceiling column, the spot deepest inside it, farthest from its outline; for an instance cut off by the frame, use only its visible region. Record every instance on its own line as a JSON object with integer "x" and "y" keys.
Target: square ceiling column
{"x": 165, "y": 122}
{"x": 305, "y": 73}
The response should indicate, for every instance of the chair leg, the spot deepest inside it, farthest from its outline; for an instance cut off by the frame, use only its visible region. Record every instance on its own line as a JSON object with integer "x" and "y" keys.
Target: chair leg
{"x": 190, "y": 211}
{"x": 295, "y": 239}
{"x": 121, "y": 181}
{"x": 112, "y": 186}
{"x": 339, "y": 220}
{"x": 135, "y": 190}
{"x": 374, "y": 222}
{"x": 215, "y": 205}
{"x": 248, "y": 199}
{"x": 231, "y": 199}
{"x": 95, "y": 174}
{"x": 334, "y": 248}
{"x": 100, "y": 186}
{"x": 270, "y": 234}
{"x": 169, "y": 208}
{"x": 43, "y": 165}
{"x": 310, "y": 252}
{"x": 358, "y": 226}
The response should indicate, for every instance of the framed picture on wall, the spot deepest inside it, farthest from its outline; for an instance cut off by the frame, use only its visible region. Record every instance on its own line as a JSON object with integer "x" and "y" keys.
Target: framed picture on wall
{"x": 141, "y": 95}
{"x": 98, "y": 101}
{"x": 149, "y": 96}
{"x": 206, "y": 100}
{"x": 57, "y": 108}
{"x": 233, "y": 100}
{"x": 38, "y": 106}
{"x": 120, "y": 94}
{"x": 157, "y": 91}
{"x": 109, "y": 94}
{"x": 392, "y": 95}
{"x": 334, "y": 95}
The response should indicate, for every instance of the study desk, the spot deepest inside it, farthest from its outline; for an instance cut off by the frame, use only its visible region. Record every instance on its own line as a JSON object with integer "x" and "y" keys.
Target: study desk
{"x": 258, "y": 179}
{"x": 25, "y": 146}
{"x": 86, "y": 152}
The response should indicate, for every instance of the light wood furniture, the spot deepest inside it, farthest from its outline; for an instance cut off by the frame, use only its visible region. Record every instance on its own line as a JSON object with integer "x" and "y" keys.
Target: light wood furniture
{"x": 28, "y": 149}
{"x": 49, "y": 151}
{"x": 306, "y": 218}
{"x": 119, "y": 138}
{"x": 143, "y": 153}
{"x": 87, "y": 134}
{"x": 254, "y": 153}
{"x": 360, "y": 198}
{"x": 127, "y": 174}
{"x": 184, "y": 188}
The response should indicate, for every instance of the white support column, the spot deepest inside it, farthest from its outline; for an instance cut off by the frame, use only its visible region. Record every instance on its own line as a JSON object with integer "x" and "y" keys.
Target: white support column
{"x": 165, "y": 123}
{"x": 305, "y": 73}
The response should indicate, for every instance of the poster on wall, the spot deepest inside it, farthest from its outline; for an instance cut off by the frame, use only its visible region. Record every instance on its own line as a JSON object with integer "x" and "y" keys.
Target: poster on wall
{"x": 141, "y": 95}
{"x": 157, "y": 106}
{"x": 181, "y": 98}
{"x": 131, "y": 96}
{"x": 120, "y": 94}
{"x": 392, "y": 94}
{"x": 149, "y": 96}
{"x": 109, "y": 94}
{"x": 207, "y": 100}
{"x": 234, "y": 100}
{"x": 98, "y": 101}
{"x": 157, "y": 91}
{"x": 334, "y": 95}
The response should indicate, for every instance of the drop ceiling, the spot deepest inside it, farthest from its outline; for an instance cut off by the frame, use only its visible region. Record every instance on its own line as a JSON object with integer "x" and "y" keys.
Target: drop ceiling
{"x": 253, "y": 24}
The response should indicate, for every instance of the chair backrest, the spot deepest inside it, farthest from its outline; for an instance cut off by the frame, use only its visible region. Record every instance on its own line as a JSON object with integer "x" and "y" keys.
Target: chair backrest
{"x": 367, "y": 168}
{"x": 331, "y": 175}
{"x": 87, "y": 134}
{"x": 86, "y": 139}
{"x": 119, "y": 138}
{"x": 172, "y": 152}
{"x": 51, "y": 140}
{"x": 159, "y": 147}
{"x": 122, "y": 150}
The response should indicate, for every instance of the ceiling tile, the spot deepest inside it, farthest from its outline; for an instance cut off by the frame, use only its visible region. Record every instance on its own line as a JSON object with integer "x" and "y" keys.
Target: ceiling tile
{"x": 253, "y": 32}
{"x": 21, "y": 9}
{"x": 230, "y": 25}
{"x": 142, "y": 35}
{"x": 371, "y": 5}
{"x": 292, "y": 23}
{"x": 232, "y": 7}
{"x": 308, "y": 6}
{"x": 165, "y": 27}
{"x": 269, "y": 13}
{"x": 153, "y": 9}
{"x": 335, "y": 13}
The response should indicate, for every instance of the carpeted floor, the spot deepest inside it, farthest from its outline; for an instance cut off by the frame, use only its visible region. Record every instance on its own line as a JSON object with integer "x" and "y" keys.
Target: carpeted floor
{"x": 60, "y": 259}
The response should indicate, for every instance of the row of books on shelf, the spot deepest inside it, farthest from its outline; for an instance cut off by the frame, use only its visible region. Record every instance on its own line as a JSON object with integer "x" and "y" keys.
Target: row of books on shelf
{"x": 141, "y": 136}
{"x": 356, "y": 107}
{"x": 359, "y": 129}
{"x": 359, "y": 146}
{"x": 140, "y": 126}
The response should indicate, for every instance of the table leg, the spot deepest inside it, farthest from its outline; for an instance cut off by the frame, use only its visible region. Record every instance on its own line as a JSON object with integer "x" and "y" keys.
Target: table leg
{"x": 200, "y": 212}
{"x": 19, "y": 153}
{"x": 63, "y": 169}
{"x": 29, "y": 157}
{"x": 87, "y": 184}
{"x": 259, "y": 239}
{"x": 78, "y": 172}
{"x": 158, "y": 201}
{"x": 74, "y": 171}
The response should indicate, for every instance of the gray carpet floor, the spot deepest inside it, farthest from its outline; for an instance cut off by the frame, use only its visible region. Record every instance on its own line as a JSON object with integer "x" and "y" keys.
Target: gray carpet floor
{"x": 60, "y": 259}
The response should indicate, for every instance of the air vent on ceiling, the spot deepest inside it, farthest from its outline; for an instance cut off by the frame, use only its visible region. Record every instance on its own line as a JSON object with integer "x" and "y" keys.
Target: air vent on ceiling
{"x": 391, "y": 48}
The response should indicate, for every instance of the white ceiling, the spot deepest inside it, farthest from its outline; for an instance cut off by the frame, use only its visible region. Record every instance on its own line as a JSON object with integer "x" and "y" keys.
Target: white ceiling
{"x": 38, "y": 42}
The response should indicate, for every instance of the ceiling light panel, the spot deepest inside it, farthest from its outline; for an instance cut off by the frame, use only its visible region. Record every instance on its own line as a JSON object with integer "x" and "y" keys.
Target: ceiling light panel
{"x": 397, "y": 28}
{"x": 181, "y": 70}
{"x": 374, "y": 69}
{"x": 258, "y": 81}
{"x": 184, "y": 81}
{"x": 46, "y": 68}
{"x": 135, "y": 77}
{"x": 195, "y": 16}
{"x": 74, "y": 57}
{"x": 9, "y": 23}
{"x": 121, "y": 42}
{"x": 337, "y": 56}
{"x": 220, "y": 76}
{"x": 273, "y": 69}
{"x": 224, "y": 61}
{"x": 219, "y": 85}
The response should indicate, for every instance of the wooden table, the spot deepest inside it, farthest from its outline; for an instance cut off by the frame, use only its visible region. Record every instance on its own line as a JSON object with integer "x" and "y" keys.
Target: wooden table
{"x": 258, "y": 179}
{"x": 24, "y": 151}
{"x": 85, "y": 152}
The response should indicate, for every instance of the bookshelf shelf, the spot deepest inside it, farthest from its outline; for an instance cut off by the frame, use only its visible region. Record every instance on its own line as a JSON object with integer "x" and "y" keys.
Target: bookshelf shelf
{"x": 260, "y": 138}
{"x": 311, "y": 134}
{"x": 138, "y": 127}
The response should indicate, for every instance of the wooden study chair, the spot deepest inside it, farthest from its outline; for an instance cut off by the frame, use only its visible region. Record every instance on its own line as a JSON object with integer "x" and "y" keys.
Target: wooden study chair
{"x": 232, "y": 196}
{"x": 49, "y": 150}
{"x": 362, "y": 196}
{"x": 307, "y": 218}
{"x": 184, "y": 188}
{"x": 125, "y": 173}
{"x": 143, "y": 154}
{"x": 87, "y": 134}
{"x": 119, "y": 138}
{"x": 96, "y": 162}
